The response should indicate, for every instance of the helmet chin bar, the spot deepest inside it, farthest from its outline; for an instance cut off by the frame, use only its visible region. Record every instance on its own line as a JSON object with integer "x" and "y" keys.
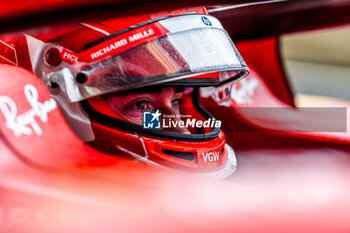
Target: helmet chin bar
{"x": 229, "y": 168}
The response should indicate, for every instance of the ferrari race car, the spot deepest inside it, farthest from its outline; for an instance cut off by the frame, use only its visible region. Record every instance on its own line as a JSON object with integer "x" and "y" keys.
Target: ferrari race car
{"x": 145, "y": 116}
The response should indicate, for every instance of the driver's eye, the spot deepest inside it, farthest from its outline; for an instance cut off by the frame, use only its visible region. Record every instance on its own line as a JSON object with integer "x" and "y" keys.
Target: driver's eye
{"x": 176, "y": 103}
{"x": 143, "y": 105}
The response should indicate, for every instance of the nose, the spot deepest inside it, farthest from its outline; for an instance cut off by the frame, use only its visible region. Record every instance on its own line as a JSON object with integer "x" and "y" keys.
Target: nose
{"x": 167, "y": 108}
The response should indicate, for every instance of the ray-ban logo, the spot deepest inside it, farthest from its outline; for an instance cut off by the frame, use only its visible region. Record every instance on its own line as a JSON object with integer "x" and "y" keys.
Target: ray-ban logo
{"x": 26, "y": 123}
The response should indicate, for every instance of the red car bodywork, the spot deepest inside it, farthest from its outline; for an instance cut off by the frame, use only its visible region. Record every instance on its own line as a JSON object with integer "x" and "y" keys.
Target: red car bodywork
{"x": 287, "y": 180}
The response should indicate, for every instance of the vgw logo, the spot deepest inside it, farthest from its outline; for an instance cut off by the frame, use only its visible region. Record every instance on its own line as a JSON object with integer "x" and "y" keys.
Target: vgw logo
{"x": 151, "y": 120}
{"x": 211, "y": 156}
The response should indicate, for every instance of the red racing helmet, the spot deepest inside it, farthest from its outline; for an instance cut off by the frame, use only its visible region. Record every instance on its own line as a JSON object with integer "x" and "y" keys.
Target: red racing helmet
{"x": 89, "y": 67}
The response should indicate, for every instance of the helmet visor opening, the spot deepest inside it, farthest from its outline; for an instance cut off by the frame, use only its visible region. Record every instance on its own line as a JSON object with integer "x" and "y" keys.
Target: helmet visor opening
{"x": 161, "y": 111}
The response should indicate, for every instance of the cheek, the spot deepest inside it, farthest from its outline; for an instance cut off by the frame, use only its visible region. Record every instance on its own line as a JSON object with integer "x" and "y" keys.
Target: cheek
{"x": 135, "y": 120}
{"x": 177, "y": 113}
{"x": 116, "y": 103}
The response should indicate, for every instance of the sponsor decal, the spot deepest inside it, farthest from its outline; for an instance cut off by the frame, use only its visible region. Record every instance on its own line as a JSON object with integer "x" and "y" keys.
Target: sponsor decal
{"x": 123, "y": 42}
{"x": 120, "y": 43}
{"x": 212, "y": 165}
{"x": 211, "y": 156}
{"x": 206, "y": 21}
{"x": 109, "y": 48}
{"x": 26, "y": 123}
{"x": 69, "y": 56}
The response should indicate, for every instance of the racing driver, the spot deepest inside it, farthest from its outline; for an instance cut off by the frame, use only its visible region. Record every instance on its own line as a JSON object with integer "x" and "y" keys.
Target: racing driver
{"x": 130, "y": 86}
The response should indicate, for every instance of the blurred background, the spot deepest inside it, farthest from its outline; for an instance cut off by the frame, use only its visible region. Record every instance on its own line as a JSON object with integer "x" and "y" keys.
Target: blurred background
{"x": 317, "y": 63}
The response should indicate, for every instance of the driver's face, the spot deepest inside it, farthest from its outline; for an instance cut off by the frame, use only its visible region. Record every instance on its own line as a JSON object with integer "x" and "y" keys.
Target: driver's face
{"x": 132, "y": 105}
